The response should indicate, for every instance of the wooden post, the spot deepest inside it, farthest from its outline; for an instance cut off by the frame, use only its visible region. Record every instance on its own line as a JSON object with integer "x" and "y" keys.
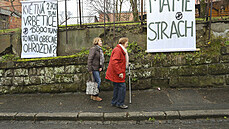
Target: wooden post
{"x": 66, "y": 22}
{"x": 207, "y": 10}
{"x": 141, "y": 12}
{"x": 210, "y": 21}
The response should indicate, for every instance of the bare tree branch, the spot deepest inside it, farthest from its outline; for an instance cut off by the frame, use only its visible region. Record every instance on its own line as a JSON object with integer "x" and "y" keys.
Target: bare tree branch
{"x": 97, "y": 7}
{"x": 14, "y": 10}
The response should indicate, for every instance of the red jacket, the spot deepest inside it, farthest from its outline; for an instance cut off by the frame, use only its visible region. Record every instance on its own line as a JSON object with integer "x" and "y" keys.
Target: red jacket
{"x": 117, "y": 65}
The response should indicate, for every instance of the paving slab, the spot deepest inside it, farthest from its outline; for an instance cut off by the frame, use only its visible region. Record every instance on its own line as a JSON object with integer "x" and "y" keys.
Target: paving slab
{"x": 152, "y": 103}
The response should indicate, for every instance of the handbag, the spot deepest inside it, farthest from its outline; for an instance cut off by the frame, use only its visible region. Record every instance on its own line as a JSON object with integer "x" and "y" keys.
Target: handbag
{"x": 92, "y": 87}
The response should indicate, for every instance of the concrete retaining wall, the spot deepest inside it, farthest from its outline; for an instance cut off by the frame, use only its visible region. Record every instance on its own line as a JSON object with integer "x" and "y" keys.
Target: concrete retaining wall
{"x": 83, "y": 38}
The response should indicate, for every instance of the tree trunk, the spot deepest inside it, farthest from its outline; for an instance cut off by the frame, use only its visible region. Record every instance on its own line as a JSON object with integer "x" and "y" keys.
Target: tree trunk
{"x": 120, "y": 7}
{"x": 202, "y": 8}
{"x": 134, "y": 9}
{"x": 116, "y": 8}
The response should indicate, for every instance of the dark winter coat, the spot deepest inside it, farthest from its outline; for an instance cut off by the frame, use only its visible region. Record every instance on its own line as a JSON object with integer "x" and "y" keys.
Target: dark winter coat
{"x": 94, "y": 59}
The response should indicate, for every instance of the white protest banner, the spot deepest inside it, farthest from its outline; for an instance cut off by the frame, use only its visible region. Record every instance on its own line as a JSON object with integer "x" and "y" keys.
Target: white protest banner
{"x": 171, "y": 25}
{"x": 39, "y": 28}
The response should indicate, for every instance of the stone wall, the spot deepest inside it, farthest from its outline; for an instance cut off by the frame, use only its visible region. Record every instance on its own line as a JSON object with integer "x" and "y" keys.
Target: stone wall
{"x": 182, "y": 72}
{"x": 70, "y": 74}
{"x": 57, "y": 75}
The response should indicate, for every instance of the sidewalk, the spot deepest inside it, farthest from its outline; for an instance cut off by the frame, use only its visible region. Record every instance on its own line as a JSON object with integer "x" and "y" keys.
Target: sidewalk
{"x": 164, "y": 104}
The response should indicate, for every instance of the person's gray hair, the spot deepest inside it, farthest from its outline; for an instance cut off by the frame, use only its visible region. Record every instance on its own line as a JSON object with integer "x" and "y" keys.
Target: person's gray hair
{"x": 123, "y": 40}
{"x": 96, "y": 40}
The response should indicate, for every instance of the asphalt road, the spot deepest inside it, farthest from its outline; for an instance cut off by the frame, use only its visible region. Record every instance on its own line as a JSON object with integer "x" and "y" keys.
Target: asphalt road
{"x": 172, "y": 124}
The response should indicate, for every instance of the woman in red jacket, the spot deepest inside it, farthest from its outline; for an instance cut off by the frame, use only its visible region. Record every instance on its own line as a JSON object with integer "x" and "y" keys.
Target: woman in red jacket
{"x": 119, "y": 61}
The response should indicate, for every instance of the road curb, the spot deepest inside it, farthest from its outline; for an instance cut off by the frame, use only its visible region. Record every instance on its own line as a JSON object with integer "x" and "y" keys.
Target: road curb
{"x": 90, "y": 116}
{"x": 118, "y": 116}
{"x": 7, "y": 116}
{"x": 25, "y": 116}
{"x": 172, "y": 115}
{"x": 194, "y": 114}
{"x": 56, "y": 116}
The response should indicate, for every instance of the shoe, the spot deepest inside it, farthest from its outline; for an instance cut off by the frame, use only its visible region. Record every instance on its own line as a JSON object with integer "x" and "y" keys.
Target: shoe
{"x": 123, "y": 106}
{"x": 97, "y": 98}
{"x": 92, "y": 97}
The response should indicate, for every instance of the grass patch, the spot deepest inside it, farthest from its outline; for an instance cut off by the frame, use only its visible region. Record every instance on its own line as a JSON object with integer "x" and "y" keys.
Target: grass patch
{"x": 101, "y": 24}
{"x": 10, "y": 30}
{"x": 213, "y": 18}
{"x": 152, "y": 119}
{"x": 226, "y": 42}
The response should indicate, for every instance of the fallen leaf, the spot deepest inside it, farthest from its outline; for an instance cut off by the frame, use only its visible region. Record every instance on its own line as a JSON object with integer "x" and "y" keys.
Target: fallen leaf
{"x": 1, "y": 103}
{"x": 100, "y": 107}
{"x": 160, "y": 121}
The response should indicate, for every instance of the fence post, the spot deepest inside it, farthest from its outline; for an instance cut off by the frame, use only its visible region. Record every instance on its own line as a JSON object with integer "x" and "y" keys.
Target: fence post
{"x": 207, "y": 10}
{"x": 141, "y": 12}
{"x": 210, "y": 21}
{"x": 66, "y": 22}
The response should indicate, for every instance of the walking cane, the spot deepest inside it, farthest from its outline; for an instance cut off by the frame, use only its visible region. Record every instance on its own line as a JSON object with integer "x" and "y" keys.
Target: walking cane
{"x": 129, "y": 84}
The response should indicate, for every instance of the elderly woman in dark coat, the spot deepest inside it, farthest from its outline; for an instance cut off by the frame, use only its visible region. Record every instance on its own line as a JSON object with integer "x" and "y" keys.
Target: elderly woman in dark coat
{"x": 96, "y": 63}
